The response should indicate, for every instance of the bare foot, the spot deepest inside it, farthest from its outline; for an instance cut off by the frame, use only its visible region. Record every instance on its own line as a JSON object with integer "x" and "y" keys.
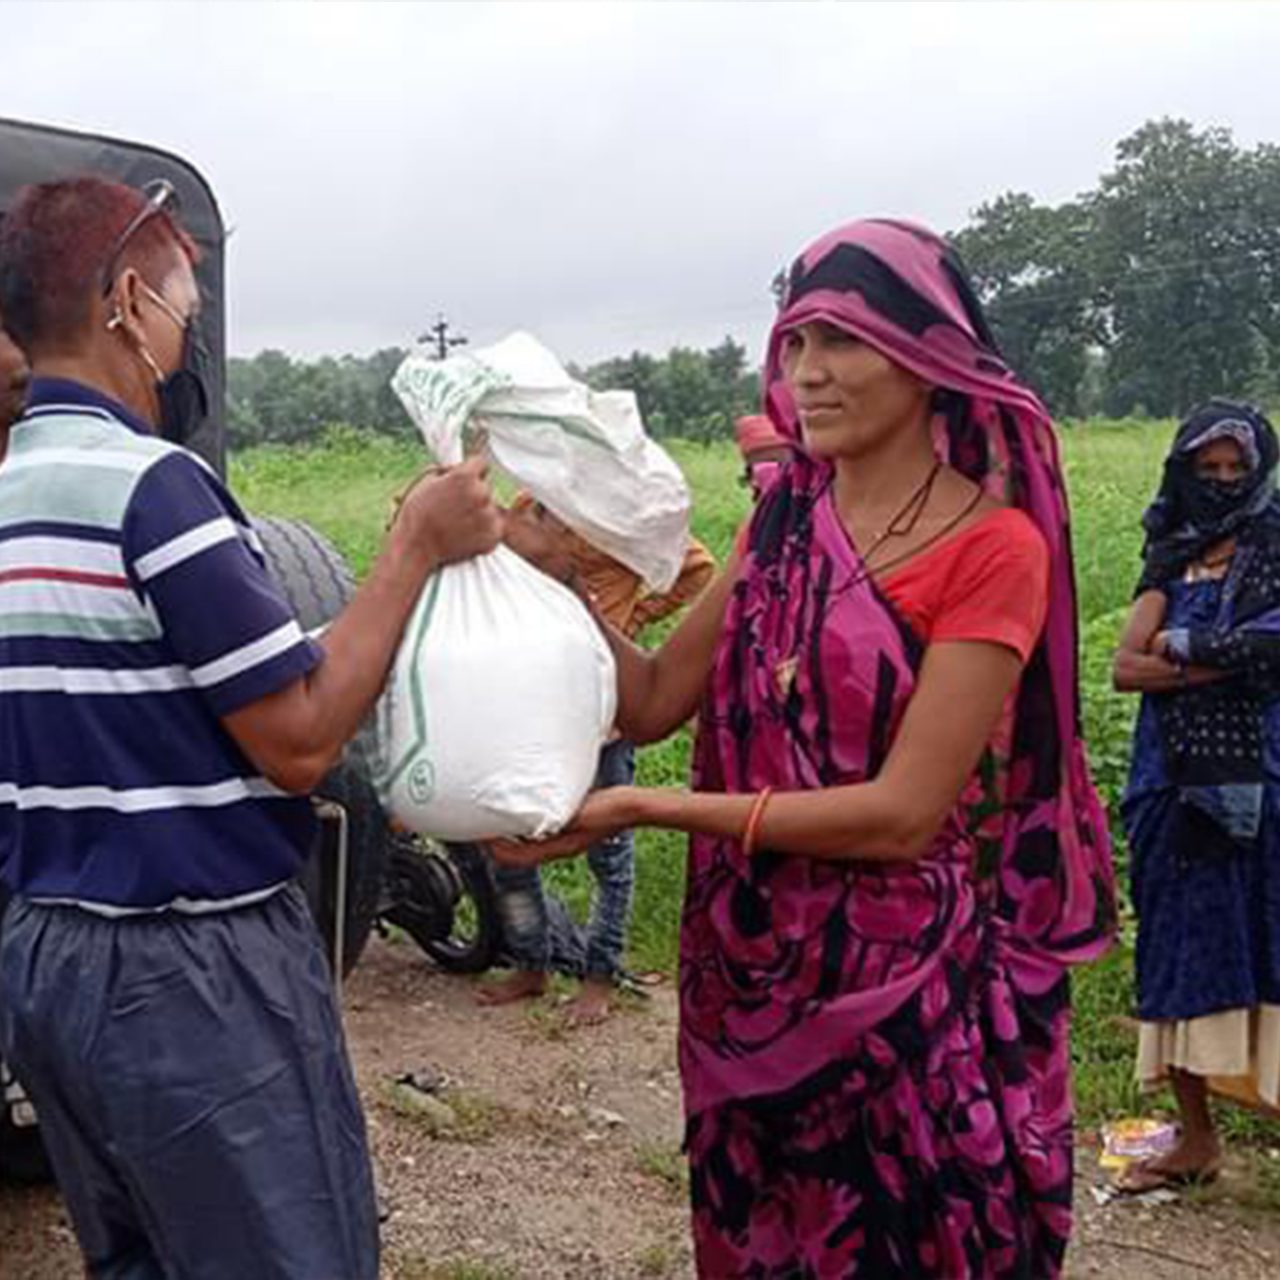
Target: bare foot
{"x": 1189, "y": 1163}
{"x": 524, "y": 984}
{"x": 590, "y": 1006}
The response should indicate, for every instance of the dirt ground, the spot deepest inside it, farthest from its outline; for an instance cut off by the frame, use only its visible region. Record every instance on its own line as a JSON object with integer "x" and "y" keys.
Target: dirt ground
{"x": 523, "y": 1151}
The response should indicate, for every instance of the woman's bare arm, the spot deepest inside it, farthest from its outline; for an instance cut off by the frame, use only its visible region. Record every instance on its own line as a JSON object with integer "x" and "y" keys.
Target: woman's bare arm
{"x": 895, "y": 817}
{"x": 1136, "y": 668}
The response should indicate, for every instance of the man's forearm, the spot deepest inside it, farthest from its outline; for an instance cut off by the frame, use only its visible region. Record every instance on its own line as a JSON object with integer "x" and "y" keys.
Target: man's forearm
{"x": 297, "y": 734}
{"x": 361, "y": 644}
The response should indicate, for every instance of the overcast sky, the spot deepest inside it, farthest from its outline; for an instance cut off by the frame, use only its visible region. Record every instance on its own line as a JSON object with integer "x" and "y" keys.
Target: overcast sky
{"x": 609, "y": 176}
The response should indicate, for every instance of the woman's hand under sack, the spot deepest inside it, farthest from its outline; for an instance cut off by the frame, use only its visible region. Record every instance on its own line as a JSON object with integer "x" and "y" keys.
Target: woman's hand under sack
{"x": 603, "y": 814}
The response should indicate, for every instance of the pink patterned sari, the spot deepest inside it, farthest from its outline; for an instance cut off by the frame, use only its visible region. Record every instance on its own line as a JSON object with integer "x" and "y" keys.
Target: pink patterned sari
{"x": 875, "y": 1056}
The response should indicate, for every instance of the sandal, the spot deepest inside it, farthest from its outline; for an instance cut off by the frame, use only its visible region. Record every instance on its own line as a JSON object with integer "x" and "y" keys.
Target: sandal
{"x": 1140, "y": 1178}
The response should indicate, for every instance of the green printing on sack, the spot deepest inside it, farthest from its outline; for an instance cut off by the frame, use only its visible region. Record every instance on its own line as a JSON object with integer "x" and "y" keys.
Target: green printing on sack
{"x": 418, "y": 782}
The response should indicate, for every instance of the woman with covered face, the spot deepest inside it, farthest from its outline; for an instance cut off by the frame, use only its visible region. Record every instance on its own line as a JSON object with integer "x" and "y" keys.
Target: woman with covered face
{"x": 896, "y": 852}
{"x": 1203, "y": 647}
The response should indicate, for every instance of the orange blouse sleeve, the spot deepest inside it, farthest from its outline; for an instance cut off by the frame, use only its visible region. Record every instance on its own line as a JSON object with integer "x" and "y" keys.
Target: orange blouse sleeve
{"x": 998, "y": 588}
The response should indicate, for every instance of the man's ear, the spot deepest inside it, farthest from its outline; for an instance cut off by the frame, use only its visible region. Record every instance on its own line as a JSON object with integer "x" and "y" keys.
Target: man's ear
{"x": 124, "y": 303}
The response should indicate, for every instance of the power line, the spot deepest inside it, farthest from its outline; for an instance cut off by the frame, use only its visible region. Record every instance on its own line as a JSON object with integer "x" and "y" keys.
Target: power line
{"x": 1122, "y": 286}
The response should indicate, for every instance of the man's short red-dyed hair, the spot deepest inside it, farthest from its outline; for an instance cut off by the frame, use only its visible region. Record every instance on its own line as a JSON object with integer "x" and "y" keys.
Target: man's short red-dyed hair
{"x": 54, "y": 244}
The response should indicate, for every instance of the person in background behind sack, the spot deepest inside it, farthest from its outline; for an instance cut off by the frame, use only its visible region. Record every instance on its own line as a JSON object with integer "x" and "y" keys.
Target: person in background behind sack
{"x": 164, "y": 997}
{"x": 619, "y": 595}
{"x": 763, "y": 452}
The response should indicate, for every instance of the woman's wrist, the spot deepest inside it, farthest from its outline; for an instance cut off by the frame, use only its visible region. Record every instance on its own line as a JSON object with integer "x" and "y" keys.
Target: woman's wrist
{"x": 678, "y": 809}
{"x": 661, "y": 807}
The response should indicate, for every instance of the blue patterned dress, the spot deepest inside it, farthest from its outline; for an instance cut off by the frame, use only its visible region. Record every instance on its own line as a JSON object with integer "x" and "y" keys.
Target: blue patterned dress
{"x": 1208, "y": 927}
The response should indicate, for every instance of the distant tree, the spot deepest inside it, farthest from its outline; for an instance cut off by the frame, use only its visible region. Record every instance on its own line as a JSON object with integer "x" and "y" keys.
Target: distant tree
{"x": 1158, "y": 288}
{"x": 1030, "y": 268}
{"x": 272, "y": 398}
{"x": 1186, "y": 261}
{"x": 691, "y": 394}
{"x": 637, "y": 373}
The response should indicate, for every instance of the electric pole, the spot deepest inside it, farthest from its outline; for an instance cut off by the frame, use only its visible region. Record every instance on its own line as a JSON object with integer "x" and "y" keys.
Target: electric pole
{"x": 440, "y": 335}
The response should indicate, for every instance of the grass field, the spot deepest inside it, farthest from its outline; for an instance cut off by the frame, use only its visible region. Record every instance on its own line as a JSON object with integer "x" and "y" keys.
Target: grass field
{"x": 344, "y": 488}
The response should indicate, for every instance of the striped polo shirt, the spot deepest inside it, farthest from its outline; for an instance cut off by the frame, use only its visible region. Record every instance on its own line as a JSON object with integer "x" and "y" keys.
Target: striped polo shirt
{"x": 135, "y": 611}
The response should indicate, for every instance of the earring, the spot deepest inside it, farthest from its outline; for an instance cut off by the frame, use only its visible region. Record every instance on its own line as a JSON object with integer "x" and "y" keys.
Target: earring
{"x": 115, "y": 322}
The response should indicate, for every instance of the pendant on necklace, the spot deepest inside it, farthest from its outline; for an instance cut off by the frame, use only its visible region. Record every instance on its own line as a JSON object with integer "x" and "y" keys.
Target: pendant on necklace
{"x": 784, "y": 676}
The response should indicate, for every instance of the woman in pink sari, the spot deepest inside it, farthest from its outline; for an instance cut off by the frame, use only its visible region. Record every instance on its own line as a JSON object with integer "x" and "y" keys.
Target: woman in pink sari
{"x": 896, "y": 849}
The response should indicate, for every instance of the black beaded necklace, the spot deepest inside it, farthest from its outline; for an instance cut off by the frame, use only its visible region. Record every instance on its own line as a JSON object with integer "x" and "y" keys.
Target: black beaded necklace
{"x": 905, "y": 519}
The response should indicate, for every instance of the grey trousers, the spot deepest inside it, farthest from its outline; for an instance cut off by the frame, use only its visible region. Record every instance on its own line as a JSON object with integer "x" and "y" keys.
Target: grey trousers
{"x": 193, "y": 1090}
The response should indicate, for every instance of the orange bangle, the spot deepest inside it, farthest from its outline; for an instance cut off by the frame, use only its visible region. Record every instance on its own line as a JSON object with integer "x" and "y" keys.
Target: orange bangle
{"x": 752, "y": 829}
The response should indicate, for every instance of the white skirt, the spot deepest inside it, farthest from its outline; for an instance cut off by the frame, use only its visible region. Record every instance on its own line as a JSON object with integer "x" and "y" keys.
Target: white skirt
{"x": 1237, "y": 1050}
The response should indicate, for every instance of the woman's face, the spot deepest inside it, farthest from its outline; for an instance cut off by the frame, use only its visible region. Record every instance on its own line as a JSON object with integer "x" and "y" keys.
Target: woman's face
{"x": 850, "y": 398}
{"x": 1220, "y": 460}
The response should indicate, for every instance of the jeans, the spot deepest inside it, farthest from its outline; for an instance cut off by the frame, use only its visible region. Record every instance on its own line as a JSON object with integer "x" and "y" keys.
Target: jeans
{"x": 540, "y": 934}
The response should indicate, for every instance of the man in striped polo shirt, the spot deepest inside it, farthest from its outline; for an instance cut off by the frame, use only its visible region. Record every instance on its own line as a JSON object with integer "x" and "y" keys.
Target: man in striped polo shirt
{"x": 163, "y": 995}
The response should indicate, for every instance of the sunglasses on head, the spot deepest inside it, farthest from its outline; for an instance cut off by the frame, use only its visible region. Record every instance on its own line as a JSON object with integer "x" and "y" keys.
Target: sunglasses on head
{"x": 161, "y": 197}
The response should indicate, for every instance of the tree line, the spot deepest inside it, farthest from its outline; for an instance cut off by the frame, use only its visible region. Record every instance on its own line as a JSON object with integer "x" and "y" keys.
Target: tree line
{"x": 273, "y": 399}
{"x": 1157, "y": 288}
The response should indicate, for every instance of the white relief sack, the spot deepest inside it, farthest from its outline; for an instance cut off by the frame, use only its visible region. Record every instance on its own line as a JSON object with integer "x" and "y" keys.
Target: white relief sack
{"x": 501, "y": 696}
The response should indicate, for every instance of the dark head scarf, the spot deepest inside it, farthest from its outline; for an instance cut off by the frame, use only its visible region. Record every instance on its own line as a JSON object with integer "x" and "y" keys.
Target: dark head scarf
{"x": 1190, "y": 515}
